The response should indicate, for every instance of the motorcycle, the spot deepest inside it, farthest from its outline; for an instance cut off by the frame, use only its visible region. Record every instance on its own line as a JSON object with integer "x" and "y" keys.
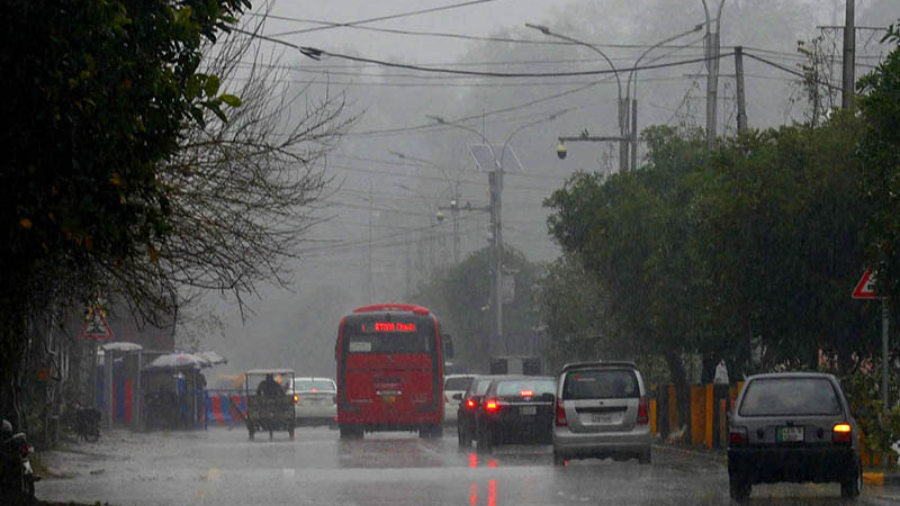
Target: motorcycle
{"x": 17, "y": 477}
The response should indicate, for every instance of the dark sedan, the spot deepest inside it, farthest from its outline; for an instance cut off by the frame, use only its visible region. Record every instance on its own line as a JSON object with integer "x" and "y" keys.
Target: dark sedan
{"x": 516, "y": 409}
{"x": 468, "y": 409}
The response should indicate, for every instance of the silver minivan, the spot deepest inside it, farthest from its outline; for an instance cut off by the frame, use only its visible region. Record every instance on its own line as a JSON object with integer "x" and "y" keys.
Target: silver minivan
{"x": 601, "y": 411}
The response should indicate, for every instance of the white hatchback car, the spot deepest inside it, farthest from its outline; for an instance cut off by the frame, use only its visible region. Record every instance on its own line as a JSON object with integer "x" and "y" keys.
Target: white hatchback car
{"x": 455, "y": 385}
{"x": 315, "y": 401}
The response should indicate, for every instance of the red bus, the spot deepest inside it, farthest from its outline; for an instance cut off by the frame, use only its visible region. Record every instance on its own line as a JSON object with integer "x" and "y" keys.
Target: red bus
{"x": 390, "y": 370}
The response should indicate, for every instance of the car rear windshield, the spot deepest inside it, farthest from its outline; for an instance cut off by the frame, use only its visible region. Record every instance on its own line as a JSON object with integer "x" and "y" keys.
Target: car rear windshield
{"x": 314, "y": 385}
{"x": 601, "y": 384}
{"x": 514, "y": 388}
{"x": 457, "y": 383}
{"x": 790, "y": 396}
{"x": 479, "y": 386}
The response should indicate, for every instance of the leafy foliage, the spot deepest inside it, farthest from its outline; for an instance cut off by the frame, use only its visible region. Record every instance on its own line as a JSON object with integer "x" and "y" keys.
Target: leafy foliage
{"x": 879, "y": 153}
{"x": 460, "y": 296}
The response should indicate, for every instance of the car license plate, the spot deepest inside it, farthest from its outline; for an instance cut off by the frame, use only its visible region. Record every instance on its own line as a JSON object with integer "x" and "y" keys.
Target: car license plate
{"x": 605, "y": 419}
{"x": 389, "y": 399}
{"x": 789, "y": 434}
{"x": 528, "y": 410}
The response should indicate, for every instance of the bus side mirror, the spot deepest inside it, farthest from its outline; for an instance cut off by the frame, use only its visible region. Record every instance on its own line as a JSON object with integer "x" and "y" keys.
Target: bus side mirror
{"x": 448, "y": 345}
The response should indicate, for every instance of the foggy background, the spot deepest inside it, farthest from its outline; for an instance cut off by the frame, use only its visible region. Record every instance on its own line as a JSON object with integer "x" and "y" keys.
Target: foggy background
{"x": 378, "y": 198}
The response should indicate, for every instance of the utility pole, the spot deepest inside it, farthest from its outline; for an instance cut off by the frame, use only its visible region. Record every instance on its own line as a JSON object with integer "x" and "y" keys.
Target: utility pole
{"x": 495, "y": 179}
{"x": 849, "y": 80}
{"x": 712, "y": 78}
{"x": 741, "y": 100}
{"x": 369, "y": 252}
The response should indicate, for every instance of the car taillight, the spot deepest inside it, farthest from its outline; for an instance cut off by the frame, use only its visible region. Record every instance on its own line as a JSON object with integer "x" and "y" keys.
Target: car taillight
{"x": 527, "y": 393}
{"x": 643, "y": 417}
{"x": 470, "y": 403}
{"x": 842, "y": 433}
{"x": 561, "y": 414}
{"x": 738, "y": 436}
{"x": 296, "y": 398}
{"x": 491, "y": 405}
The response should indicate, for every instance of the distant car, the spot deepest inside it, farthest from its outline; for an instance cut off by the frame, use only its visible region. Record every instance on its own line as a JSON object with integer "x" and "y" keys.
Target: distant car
{"x": 455, "y": 385}
{"x": 468, "y": 407}
{"x": 601, "y": 411}
{"x": 314, "y": 401}
{"x": 793, "y": 427}
{"x": 516, "y": 409}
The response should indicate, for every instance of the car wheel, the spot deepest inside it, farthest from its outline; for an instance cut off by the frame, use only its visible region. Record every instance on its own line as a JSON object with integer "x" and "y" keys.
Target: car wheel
{"x": 463, "y": 438}
{"x": 558, "y": 460}
{"x": 739, "y": 489}
{"x": 485, "y": 444}
{"x": 644, "y": 457}
{"x": 853, "y": 485}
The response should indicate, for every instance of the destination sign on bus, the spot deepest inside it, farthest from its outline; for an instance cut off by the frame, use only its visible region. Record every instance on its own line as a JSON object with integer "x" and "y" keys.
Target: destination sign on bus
{"x": 394, "y": 327}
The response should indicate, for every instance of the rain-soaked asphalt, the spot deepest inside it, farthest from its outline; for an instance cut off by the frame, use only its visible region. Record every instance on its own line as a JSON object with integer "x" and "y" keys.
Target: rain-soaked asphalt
{"x": 222, "y": 467}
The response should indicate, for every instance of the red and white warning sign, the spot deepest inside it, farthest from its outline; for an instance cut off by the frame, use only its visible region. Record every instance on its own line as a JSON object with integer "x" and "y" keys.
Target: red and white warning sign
{"x": 865, "y": 289}
{"x": 95, "y": 325}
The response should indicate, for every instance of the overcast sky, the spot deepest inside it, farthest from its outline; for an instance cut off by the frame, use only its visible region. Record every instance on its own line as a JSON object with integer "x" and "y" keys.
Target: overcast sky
{"x": 478, "y": 20}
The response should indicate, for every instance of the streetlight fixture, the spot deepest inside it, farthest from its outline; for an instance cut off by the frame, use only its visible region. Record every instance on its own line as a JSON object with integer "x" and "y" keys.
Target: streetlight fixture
{"x": 623, "y": 134}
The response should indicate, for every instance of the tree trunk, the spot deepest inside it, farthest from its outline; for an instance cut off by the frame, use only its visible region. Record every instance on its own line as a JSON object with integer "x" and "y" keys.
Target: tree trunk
{"x": 682, "y": 391}
{"x": 708, "y": 372}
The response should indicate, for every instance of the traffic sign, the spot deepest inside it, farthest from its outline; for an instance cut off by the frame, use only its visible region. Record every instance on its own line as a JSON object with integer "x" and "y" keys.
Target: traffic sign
{"x": 95, "y": 325}
{"x": 865, "y": 289}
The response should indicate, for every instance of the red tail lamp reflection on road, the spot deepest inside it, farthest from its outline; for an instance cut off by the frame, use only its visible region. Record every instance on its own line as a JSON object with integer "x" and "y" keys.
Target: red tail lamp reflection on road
{"x": 473, "y": 460}
{"x": 491, "y": 405}
{"x": 473, "y": 494}
{"x": 492, "y": 493}
{"x": 492, "y": 463}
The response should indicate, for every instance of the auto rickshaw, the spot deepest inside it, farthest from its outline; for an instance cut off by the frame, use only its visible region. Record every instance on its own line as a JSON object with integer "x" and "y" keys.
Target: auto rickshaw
{"x": 270, "y": 403}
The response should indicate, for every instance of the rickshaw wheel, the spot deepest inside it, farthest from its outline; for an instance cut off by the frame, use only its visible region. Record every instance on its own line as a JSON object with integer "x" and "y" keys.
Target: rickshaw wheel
{"x": 291, "y": 433}
{"x": 251, "y": 433}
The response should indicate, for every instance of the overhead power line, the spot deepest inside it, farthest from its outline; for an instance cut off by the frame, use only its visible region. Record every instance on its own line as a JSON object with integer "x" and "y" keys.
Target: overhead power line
{"x": 329, "y": 25}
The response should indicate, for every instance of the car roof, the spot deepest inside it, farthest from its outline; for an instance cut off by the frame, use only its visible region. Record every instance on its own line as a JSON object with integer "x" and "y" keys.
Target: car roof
{"x": 269, "y": 371}
{"x": 785, "y": 375}
{"x": 312, "y": 378}
{"x": 599, "y": 364}
{"x": 451, "y": 376}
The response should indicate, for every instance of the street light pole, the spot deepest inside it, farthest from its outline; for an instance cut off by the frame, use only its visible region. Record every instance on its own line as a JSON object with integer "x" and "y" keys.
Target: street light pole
{"x": 622, "y": 106}
{"x": 628, "y": 87}
{"x": 712, "y": 76}
{"x": 495, "y": 179}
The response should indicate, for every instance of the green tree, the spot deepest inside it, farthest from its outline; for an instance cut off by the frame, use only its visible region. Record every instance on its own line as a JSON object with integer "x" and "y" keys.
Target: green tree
{"x": 879, "y": 153}
{"x": 460, "y": 296}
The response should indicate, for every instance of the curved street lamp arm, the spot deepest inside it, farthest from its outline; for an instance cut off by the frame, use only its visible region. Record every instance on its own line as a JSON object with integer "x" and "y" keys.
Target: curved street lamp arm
{"x": 526, "y": 125}
{"x": 633, "y": 70}
{"x": 546, "y": 31}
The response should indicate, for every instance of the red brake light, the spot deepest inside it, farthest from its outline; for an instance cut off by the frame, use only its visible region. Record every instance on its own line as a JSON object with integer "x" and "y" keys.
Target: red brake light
{"x": 527, "y": 393}
{"x": 842, "y": 433}
{"x": 314, "y": 389}
{"x": 738, "y": 436}
{"x": 560, "y": 414}
{"x": 470, "y": 403}
{"x": 643, "y": 417}
{"x": 491, "y": 405}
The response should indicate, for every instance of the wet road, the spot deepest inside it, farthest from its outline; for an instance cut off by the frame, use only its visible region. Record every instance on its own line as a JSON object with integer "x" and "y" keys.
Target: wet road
{"x": 222, "y": 467}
